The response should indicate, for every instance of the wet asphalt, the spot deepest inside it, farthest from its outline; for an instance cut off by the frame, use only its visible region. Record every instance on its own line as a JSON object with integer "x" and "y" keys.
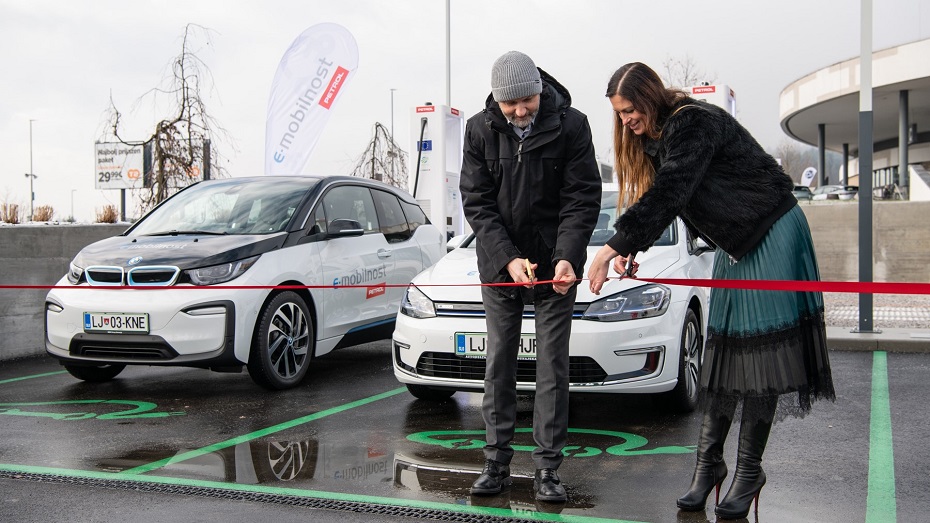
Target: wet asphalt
{"x": 350, "y": 444}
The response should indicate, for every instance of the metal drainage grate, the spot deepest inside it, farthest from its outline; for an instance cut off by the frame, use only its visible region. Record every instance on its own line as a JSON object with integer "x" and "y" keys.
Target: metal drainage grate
{"x": 299, "y": 501}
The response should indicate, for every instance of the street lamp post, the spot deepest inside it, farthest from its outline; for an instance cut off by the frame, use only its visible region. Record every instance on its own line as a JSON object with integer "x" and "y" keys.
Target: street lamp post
{"x": 392, "y": 113}
{"x": 31, "y": 175}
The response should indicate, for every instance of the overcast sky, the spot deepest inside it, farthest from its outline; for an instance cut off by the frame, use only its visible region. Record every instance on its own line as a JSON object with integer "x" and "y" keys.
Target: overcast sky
{"x": 62, "y": 61}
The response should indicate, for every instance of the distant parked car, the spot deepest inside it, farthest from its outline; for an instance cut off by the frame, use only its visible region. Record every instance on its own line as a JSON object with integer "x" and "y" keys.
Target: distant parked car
{"x": 835, "y": 192}
{"x": 802, "y": 192}
{"x": 260, "y": 250}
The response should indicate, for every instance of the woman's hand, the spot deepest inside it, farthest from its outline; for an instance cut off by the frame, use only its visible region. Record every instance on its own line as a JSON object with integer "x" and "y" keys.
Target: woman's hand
{"x": 620, "y": 266}
{"x": 597, "y": 273}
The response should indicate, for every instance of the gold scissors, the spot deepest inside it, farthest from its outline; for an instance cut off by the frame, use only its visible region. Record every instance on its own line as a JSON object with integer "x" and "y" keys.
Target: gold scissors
{"x": 529, "y": 269}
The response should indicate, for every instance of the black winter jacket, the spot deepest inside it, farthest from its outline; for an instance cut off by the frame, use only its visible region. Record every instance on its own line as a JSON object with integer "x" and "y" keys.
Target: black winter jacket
{"x": 538, "y": 198}
{"x": 713, "y": 173}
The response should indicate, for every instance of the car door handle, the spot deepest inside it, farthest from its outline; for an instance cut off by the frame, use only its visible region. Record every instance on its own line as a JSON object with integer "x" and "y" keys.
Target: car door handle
{"x": 385, "y": 253}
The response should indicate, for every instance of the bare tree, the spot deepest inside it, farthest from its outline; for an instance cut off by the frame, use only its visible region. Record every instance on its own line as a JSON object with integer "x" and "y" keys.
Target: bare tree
{"x": 178, "y": 140}
{"x": 793, "y": 159}
{"x": 796, "y": 156}
{"x": 684, "y": 72}
{"x": 383, "y": 159}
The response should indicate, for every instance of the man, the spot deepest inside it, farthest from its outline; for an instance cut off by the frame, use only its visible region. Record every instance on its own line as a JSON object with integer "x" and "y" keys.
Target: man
{"x": 531, "y": 192}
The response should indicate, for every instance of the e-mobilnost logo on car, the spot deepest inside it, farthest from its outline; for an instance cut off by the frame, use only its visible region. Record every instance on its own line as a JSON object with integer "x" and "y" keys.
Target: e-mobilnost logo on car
{"x": 361, "y": 276}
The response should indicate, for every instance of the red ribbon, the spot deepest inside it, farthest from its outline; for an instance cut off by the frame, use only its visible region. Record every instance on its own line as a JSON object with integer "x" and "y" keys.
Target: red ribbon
{"x": 761, "y": 285}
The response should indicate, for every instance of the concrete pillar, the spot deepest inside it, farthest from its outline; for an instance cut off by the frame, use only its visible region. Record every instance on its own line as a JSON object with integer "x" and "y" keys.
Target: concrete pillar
{"x": 903, "y": 126}
{"x": 822, "y": 177}
{"x": 845, "y": 180}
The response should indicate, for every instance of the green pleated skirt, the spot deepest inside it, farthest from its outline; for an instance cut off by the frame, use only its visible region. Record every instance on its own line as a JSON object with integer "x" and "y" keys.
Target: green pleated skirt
{"x": 767, "y": 344}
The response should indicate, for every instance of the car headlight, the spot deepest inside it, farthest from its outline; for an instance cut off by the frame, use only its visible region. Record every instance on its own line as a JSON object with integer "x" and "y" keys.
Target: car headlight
{"x": 75, "y": 273}
{"x": 416, "y": 305}
{"x": 221, "y": 273}
{"x": 642, "y": 302}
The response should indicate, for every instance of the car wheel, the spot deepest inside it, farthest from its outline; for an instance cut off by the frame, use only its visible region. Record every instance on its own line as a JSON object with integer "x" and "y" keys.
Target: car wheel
{"x": 282, "y": 344}
{"x": 429, "y": 393}
{"x": 94, "y": 373}
{"x": 684, "y": 397}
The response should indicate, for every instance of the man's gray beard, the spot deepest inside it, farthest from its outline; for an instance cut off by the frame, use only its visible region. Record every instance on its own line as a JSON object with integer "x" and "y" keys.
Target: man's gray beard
{"x": 522, "y": 122}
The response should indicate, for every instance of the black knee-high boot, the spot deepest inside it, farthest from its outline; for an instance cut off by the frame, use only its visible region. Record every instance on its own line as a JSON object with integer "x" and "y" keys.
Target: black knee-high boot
{"x": 710, "y": 469}
{"x": 749, "y": 476}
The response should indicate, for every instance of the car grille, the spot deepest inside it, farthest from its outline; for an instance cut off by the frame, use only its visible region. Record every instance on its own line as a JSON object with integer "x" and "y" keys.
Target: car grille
{"x": 476, "y": 310}
{"x": 123, "y": 350}
{"x": 581, "y": 369}
{"x": 147, "y": 276}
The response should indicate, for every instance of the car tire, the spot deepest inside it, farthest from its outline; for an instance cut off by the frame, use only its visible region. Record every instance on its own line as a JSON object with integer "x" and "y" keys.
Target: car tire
{"x": 684, "y": 397}
{"x": 283, "y": 343}
{"x": 94, "y": 373}
{"x": 424, "y": 392}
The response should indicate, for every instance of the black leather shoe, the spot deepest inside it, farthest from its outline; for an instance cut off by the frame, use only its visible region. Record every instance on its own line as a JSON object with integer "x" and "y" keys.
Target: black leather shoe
{"x": 493, "y": 479}
{"x": 548, "y": 486}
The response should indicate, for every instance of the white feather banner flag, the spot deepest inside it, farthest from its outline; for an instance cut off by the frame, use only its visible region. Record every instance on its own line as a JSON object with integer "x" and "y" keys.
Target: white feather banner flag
{"x": 312, "y": 73}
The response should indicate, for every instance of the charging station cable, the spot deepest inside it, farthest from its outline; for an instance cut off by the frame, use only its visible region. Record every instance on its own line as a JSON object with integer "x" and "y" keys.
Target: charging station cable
{"x": 416, "y": 176}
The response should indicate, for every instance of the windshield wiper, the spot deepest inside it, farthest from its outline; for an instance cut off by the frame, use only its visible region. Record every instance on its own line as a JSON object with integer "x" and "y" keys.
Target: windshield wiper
{"x": 180, "y": 233}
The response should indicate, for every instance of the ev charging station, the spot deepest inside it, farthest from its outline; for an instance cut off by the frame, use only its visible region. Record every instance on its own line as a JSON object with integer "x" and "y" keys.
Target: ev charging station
{"x": 436, "y": 165}
{"x": 720, "y": 95}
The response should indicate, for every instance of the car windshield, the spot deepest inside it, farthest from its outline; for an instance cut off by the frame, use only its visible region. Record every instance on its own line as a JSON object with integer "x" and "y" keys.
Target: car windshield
{"x": 604, "y": 229}
{"x": 227, "y": 207}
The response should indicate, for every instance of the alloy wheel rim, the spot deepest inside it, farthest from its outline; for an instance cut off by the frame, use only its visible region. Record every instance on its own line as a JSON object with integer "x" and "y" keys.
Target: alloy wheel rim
{"x": 692, "y": 360}
{"x": 288, "y": 340}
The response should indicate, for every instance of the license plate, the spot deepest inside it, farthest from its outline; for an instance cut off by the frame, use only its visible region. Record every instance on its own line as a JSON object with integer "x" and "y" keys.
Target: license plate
{"x": 116, "y": 322}
{"x": 474, "y": 345}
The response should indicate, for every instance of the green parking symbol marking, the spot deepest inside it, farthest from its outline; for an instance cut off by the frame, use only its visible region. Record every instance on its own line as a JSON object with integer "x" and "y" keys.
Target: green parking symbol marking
{"x": 139, "y": 409}
{"x": 631, "y": 444}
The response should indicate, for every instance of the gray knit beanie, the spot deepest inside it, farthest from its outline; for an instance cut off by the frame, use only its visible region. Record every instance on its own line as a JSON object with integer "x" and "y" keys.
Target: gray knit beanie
{"x": 514, "y": 76}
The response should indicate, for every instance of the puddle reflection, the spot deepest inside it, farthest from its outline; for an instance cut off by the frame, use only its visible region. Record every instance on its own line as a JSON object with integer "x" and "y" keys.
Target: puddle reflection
{"x": 451, "y": 480}
{"x": 271, "y": 462}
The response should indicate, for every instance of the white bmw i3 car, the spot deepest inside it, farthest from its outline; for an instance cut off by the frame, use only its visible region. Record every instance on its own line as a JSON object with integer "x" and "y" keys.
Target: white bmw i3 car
{"x": 264, "y": 272}
{"x": 635, "y": 337}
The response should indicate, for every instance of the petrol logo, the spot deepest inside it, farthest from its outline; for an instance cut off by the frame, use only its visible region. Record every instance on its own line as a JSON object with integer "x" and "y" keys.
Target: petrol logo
{"x": 373, "y": 292}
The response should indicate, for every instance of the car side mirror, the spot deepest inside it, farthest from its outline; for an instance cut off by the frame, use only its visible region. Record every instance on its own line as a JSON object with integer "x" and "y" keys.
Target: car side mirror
{"x": 701, "y": 246}
{"x": 341, "y": 227}
{"x": 455, "y": 241}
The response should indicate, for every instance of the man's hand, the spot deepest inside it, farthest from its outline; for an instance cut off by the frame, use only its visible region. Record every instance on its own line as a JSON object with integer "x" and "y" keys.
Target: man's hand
{"x": 565, "y": 275}
{"x": 522, "y": 271}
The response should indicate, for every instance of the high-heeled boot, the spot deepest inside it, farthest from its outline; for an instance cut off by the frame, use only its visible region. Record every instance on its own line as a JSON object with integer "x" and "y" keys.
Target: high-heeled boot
{"x": 749, "y": 478}
{"x": 710, "y": 469}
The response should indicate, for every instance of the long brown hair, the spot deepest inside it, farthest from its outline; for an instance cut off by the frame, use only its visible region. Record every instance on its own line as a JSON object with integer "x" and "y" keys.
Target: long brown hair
{"x": 644, "y": 89}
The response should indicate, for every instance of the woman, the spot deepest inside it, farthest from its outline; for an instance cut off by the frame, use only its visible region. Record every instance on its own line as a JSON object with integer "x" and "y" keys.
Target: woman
{"x": 766, "y": 350}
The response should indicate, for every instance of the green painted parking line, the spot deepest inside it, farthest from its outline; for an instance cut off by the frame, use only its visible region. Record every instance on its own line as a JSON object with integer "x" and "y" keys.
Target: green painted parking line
{"x": 259, "y": 433}
{"x": 881, "y": 505}
{"x": 11, "y": 380}
{"x": 305, "y": 493}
